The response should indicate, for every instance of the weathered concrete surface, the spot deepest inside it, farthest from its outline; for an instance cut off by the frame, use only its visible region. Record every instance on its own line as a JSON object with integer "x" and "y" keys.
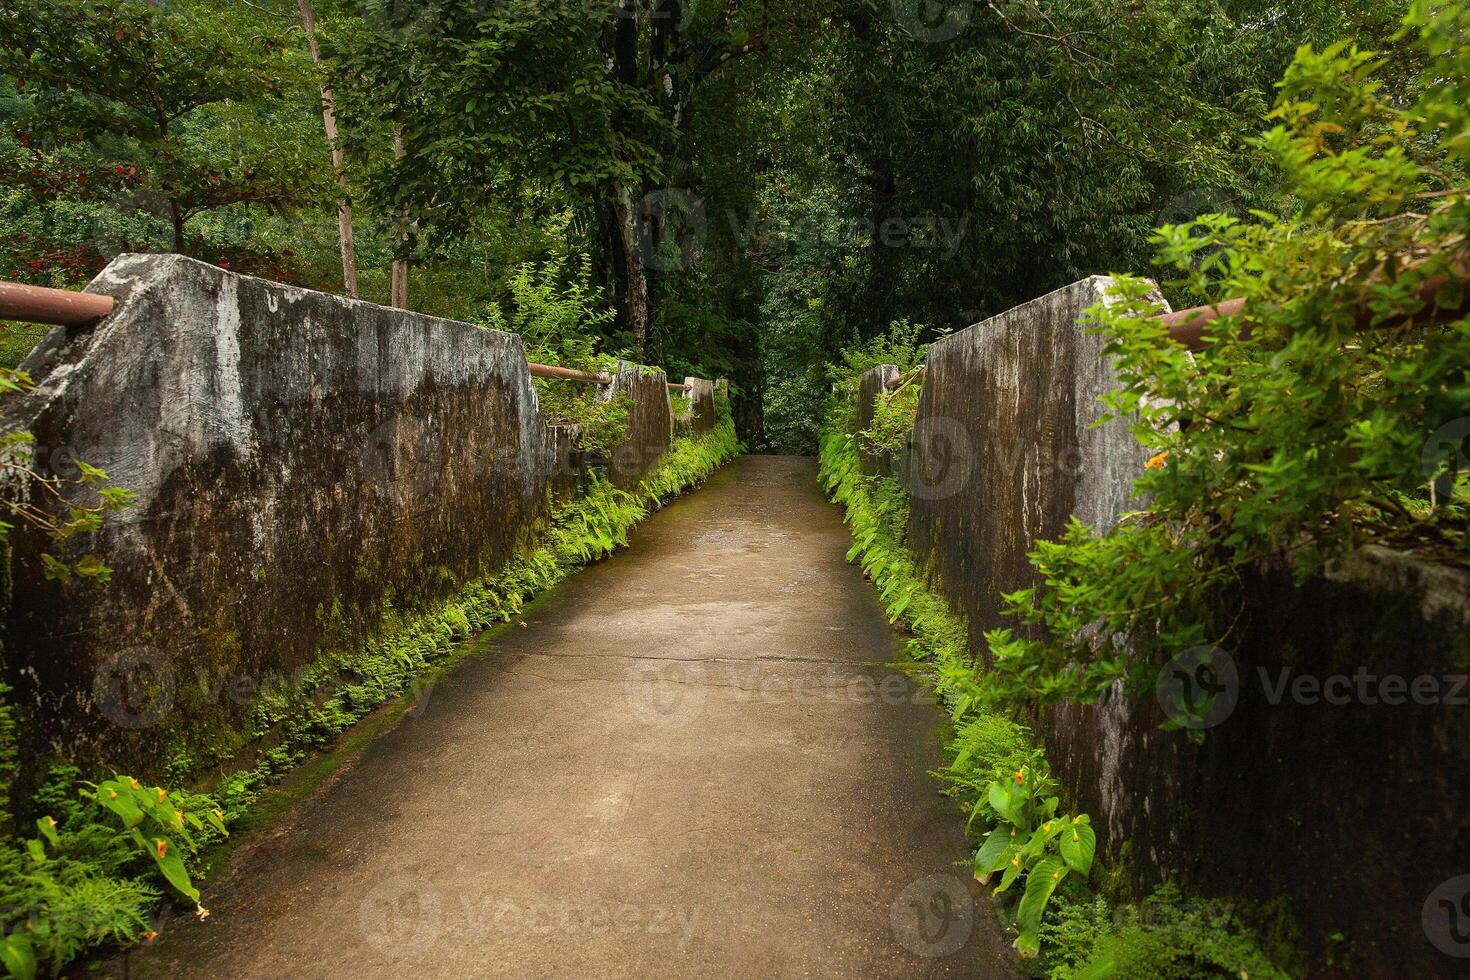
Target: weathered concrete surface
{"x": 871, "y": 386}
{"x": 690, "y": 763}
{"x": 1002, "y": 454}
{"x": 703, "y": 414}
{"x": 1004, "y": 448}
{"x": 301, "y": 462}
{"x": 294, "y": 455}
{"x": 650, "y": 423}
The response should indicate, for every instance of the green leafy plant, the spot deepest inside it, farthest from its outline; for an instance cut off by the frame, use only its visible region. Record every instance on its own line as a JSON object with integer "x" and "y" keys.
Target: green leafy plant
{"x": 1320, "y": 419}
{"x": 562, "y": 320}
{"x": 893, "y": 419}
{"x": 899, "y": 344}
{"x": 1164, "y": 936}
{"x": 157, "y": 823}
{"x": 87, "y": 879}
{"x": 34, "y": 498}
{"x": 1031, "y": 843}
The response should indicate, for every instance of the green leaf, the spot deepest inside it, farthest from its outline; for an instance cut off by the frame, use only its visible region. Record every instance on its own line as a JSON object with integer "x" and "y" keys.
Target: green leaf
{"x": 1100, "y": 968}
{"x": 1040, "y": 884}
{"x": 37, "y": 850}
{"x": 172, "y": 867}
{"x": 18, "y": 956}
{"x": 118, "y": 798}
{"x": 994, "y": 853}
{"x": 1004, "y": 800}
{"x": 1078, "y": 845}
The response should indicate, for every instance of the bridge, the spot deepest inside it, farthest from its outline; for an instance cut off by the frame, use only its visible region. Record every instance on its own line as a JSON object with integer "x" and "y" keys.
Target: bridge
{"x": 487, "y": 700}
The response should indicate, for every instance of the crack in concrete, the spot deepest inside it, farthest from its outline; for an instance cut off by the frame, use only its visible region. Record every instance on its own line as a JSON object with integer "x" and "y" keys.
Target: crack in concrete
{"x": 702, "y": 660}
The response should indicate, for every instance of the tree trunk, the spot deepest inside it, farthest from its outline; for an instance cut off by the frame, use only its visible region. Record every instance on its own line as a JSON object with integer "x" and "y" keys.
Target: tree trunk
{"x": 399, "y": 298}
{"x": 635, "y": 279}
{"x": 178, "y": 220}
{"x": 329, "y": 122}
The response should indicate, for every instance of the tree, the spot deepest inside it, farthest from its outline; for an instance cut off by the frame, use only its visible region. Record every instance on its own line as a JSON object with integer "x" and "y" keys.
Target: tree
{"x": 167, "y": 108}
{"x": 329, "y": 123}
{"x": 584, "y": 103}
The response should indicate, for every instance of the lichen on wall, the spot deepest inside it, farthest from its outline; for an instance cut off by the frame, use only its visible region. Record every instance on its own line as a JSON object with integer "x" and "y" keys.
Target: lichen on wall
{"x": 650, "y": 423}
{"x": 1281, "y": 807}
{"x": 306, "y": 467}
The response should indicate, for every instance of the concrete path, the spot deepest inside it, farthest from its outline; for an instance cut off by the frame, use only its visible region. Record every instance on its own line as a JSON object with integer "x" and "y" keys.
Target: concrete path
{"x": 691, "y": 763}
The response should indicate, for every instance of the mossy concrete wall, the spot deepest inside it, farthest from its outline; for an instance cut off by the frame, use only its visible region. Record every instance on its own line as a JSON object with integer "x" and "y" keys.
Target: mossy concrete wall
{"x": 703, "y": 414}
{"x": 650, "y": 423}
{"x": 1006, "y": 447}
{"x": 871, "y": 385}
{"x": 303, "y": 465}
{"x": 1345, "y": 815}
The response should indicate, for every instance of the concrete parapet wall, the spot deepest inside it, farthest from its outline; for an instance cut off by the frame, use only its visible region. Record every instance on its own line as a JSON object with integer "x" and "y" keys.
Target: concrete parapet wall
{"x": 1005, "y": 448}
{"x": 1286, "y": 798}
{"x": 703, "y": 414}
{"x": 871, "y": 385}
{"x": 302, "y": 464}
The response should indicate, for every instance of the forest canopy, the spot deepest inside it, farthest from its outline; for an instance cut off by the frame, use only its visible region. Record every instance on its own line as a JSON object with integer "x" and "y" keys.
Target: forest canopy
{"x": 749, "y": 185}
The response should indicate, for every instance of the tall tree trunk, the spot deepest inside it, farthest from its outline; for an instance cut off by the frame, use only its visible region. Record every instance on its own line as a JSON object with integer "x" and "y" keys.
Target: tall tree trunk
{"x": 399, "y": 298}
{"x": 620, "y": 45}
{"x": 635, "y": 278}
{"x": 329, "y": 122}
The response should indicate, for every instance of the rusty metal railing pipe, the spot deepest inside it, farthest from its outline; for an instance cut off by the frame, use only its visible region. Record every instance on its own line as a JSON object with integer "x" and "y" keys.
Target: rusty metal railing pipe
{"x": 586, "y": 377}
{"x": 65, "y": 308}
{"x": 1187, "y": 327}
{"x": 568, "y": 374}
{"x": 58, "y": 307}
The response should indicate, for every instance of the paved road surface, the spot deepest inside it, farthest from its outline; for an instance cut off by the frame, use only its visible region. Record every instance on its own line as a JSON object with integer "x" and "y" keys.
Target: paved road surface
{"x": 691, "y": 763}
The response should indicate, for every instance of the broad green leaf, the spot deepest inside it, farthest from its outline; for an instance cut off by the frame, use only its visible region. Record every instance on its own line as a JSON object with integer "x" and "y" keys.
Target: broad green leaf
{"x": 171, "y": 864}
{"x": 1078, "y": 845}
{"x": 18, "y": 956}
{"x": 1041, "y": 882}
{"x": 994, "y": 853}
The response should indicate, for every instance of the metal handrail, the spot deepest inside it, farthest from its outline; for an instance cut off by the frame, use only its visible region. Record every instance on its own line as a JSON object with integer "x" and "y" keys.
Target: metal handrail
{"x": 58, "y": 307}
{"x": 1187, "y": 327}
{"x": 568, "y": 374}
{"x": 66, "y": 308}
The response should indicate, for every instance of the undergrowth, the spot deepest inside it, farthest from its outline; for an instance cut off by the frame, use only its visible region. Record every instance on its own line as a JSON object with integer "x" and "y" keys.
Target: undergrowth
{"x": 106, "y": 853}
{"x": 1001, "y": 779}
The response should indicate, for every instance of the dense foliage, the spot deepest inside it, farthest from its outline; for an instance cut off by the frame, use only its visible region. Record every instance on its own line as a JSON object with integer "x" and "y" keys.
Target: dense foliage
{"x": 1330, "y": 414}
{"x": 751, "y": 185}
